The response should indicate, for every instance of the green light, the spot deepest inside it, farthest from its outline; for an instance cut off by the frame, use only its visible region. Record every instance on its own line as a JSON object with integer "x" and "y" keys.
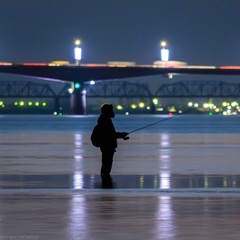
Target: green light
{"x": 77, "y": 85}
{"x": 155, "y": 101}
{"x": 21, "y": 103}
{"x": 15, "y": 103}
{"x": 1, "y": 103}
{"x": 44, "y": 104}
{"x": 36, "y": 104}
{"x": 210, "y": 114}
{"x": 29, "y": 103}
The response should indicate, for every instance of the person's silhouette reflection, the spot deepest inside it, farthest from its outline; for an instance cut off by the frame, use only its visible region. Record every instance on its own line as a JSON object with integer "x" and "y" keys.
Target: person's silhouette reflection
{"x": 109, "y": 138}
{"x": 107, "y": 182}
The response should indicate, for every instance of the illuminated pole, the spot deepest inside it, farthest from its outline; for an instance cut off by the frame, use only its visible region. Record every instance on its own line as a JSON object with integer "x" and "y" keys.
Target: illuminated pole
{"x": 77, "y": 51}
{"x": 78, "y": 92}
{"x": 164, "y": 51}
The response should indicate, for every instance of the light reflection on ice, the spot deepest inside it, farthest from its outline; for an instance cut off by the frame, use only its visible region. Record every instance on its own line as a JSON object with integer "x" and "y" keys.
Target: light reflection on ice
{"x": 78, "y": 175}
{"x": 165, "y": 228}
{"x": 78, "y": 227}
{"x": 164, "y": 161}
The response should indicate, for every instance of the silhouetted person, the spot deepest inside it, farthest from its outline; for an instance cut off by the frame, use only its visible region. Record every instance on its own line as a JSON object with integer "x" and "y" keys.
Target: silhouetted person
{"x": 109, "y": 138}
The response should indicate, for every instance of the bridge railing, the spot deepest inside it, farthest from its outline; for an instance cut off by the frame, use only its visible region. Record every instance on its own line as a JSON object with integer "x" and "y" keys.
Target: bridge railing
{"x": 121, "y": 89}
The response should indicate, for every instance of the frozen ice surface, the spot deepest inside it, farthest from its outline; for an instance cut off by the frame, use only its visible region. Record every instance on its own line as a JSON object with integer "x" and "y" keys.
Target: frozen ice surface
{"x": 166, "y": 183}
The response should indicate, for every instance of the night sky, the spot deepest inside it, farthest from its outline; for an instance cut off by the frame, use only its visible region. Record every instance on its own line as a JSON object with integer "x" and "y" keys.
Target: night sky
{"x": 202, "y": 32}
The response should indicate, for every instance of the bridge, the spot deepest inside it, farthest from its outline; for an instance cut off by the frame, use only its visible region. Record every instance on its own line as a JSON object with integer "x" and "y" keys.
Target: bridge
{"x": 122, "y": 89}
{"x": 85, "y": 73}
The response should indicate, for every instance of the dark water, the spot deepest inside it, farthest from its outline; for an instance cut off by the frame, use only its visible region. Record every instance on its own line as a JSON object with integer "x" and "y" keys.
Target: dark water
{"x": 178, "y": 179}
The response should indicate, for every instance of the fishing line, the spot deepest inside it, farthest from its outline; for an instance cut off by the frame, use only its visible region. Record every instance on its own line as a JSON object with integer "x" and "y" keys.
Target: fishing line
{"x": 149, "y": 125}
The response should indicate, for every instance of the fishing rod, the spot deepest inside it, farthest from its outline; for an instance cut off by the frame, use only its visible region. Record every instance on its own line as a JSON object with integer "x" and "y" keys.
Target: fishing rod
{"x": 149, "y": 125}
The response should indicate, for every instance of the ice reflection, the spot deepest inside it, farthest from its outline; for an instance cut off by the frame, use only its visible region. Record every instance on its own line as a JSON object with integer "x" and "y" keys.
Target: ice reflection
{"x": 78, "y": 180}
{"x": 164, "y": 160}
{"x": 78, "y": 174}
{"x": 78, "y": 227}
{"x": 165, "y": 219}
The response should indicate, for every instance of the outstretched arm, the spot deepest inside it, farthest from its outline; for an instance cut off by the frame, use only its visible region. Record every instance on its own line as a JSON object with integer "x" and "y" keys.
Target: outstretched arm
{"x": 123, "y": 135}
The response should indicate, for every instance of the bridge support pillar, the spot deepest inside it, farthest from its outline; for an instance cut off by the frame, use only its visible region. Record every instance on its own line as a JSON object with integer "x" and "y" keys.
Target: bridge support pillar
{"x": 78, "y": 100}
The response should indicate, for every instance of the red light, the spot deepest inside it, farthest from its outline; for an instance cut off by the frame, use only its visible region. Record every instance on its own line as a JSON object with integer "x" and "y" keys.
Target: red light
{"x": 230, "y": 67}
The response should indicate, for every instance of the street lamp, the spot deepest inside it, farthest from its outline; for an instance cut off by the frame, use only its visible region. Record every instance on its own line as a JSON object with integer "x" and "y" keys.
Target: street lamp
{"x": 164, "y": 51}
{"x": 77, "y": 51}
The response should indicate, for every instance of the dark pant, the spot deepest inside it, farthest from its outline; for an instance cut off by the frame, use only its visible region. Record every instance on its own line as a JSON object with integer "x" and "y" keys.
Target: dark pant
{"x": 107, "y": 160}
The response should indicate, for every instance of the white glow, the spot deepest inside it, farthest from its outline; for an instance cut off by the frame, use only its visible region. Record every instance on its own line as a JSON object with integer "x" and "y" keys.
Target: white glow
{"x": 77, "y": 180}
{"x": 92, "y": 82}
{"x": 164, "y": 180}
{"x": 78, "y": 151}
{"x": 165, "y": 161}
{"x": 78, "y": 53}
{"x": 164, "y": 55}
{"x": 165, "y": 216}
{"x": 77, "y": 218}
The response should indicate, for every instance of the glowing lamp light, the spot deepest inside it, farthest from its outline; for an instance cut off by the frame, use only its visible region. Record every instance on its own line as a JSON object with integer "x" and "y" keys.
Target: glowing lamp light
{"x": 77, "y": 42}
{"x": 78, "y": 53}
{"x": 70, "y": 90}
{"x": 190, "y": 104}
{"x": 92, "y": 82}
{"x": 119, "y": 107}
{"x": 141, "y": 105}
{"x": 164, "y": 55}
{"x": 196, "y": 105}
{"x": 77, "y": 85}
{"x": 133, "y": 106}
{"x": 164, "y": 51}
{"x": 163, "y": 44}
{"x": 155, "y": 101}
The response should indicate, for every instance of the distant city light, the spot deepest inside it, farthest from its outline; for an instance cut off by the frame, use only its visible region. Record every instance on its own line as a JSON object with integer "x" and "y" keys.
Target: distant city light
{"x": 196, "y": 105}
{"x": 119, "y": 107}
{"x": 133, "y": 106}
{"x": 92, "y": 82}
{"x": 155, "y": 101}
{"x": 141, "y": 105}
{"x": 70, "y": 90}
{"x": 77, "y": 85}
{"x": 190, "y": 104}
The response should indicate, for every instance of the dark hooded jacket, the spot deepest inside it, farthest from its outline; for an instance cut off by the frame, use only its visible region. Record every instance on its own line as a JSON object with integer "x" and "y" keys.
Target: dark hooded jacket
{"x": 108, "y": 132}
